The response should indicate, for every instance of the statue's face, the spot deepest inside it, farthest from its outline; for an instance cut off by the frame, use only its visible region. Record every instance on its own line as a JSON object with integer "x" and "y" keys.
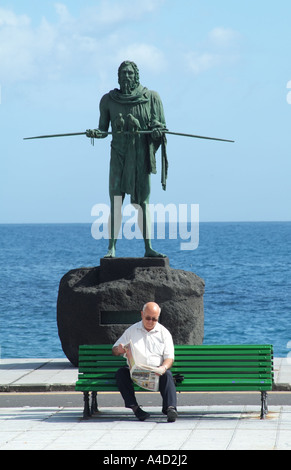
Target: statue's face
{"x": 127, "y": 79}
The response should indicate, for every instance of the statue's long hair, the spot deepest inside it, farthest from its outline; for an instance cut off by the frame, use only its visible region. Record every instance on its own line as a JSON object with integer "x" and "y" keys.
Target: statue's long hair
{"x": 135, "y": 68}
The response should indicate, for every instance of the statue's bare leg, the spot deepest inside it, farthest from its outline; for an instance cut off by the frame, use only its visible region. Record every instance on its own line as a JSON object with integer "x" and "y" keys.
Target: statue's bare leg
{"x": 144, "y": 221}
{"x": 114, "y": 224}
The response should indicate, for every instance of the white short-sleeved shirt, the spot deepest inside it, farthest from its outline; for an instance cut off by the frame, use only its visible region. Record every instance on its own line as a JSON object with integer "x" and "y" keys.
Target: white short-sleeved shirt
{"x": 150, "y": 347}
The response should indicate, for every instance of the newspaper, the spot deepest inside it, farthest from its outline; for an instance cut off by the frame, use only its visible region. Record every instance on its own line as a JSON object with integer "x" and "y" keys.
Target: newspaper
{"x": 143, "y": 375}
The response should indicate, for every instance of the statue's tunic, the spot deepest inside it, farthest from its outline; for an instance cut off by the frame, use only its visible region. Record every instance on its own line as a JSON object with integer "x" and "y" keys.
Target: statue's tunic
{"x": 133, "y": 155}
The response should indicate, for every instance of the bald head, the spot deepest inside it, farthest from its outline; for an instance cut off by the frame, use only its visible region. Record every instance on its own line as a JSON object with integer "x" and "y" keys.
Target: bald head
{"x": 150, "y": 315}
{"x": 151, "y": 307}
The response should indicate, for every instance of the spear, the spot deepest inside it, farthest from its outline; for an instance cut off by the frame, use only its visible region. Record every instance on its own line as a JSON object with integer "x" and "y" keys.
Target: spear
{"x": 54, "y": 135}
{"x": 126, "y": 132}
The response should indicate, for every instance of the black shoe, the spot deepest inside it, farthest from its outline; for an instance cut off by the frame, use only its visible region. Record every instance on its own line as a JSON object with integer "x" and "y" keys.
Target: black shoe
{"x": 171, "y": 414}
{"x": 140, "y": 414}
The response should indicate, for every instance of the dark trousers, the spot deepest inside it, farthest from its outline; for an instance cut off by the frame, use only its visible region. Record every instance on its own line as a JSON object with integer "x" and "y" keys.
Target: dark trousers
{"x": 166, "y": 388}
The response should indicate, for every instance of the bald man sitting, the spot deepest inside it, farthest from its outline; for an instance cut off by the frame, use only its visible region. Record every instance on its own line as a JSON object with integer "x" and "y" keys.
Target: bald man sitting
{"x": 154, "y": 342}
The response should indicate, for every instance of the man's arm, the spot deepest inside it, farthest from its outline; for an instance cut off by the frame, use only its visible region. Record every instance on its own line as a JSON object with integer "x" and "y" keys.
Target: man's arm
{"x": 169, "y": 352}
{"x": 104, "y": 120}
{"x": 118, "y": 350}
{"x": 167, "y": 364}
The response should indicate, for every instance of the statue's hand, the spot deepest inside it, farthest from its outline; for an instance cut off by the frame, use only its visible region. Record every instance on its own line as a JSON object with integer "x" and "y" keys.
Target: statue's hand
{"x": 157, "y": 129}
{"x": 156, "y": 134}
{"x": 95, "y": 134}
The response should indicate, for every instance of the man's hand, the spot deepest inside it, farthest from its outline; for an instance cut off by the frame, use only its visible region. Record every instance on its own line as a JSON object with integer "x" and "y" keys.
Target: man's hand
{"x": 167, "y": 364}
{"x": 95, "y": 134}
{"x": 119, "y": 350}
{"x": 161, "y": 370}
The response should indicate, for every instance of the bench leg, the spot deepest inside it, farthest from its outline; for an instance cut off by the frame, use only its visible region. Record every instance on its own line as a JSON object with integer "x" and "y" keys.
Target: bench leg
{"x": 94, "y": 406}
{"x": 86, "y": 412}
{"x": 264, "y": 404}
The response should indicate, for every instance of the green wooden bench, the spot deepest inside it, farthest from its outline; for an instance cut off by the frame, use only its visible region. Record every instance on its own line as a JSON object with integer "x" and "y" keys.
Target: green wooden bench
{"x": 204, "y": 368}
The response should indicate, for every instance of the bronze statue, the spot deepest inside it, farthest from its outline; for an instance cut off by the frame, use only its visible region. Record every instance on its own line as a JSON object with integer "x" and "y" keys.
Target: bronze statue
{"x": 131, "y": 110}
{"x": 138, "y": 129}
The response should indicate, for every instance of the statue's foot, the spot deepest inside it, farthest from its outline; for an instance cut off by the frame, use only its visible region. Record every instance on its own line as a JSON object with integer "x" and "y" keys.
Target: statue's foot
{"x": 110, "y": 253}
{"x": 150, "y": 253}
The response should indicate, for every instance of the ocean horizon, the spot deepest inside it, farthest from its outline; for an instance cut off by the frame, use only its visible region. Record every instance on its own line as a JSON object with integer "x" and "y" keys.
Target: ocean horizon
{"x": 246, "y": 267}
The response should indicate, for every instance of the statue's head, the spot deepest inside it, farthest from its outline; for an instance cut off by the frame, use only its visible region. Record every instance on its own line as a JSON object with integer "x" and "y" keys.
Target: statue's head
{"x": 128, "y": 76}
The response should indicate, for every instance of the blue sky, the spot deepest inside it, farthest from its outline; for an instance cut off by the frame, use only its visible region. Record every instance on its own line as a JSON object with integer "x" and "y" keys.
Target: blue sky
{"x": 221, "y": 68}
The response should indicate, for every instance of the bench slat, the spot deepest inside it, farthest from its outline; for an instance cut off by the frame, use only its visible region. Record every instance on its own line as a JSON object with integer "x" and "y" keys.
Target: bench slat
{"x": 187, "y": 371}
{"x": 86, "y": 349}
{"x": 185, "y": 358}
{"x": 187, "y": 365}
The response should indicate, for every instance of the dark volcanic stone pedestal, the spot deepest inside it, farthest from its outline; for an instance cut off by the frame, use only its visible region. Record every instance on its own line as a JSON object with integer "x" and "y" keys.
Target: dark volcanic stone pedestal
{"x": 95, "y": 305}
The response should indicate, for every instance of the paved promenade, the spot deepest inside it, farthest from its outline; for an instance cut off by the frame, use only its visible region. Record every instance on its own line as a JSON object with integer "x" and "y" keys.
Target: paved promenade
{"x": 217, "y": 427}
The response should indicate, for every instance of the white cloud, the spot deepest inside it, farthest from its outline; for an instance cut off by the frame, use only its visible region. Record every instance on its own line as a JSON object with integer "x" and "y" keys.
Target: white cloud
{"x": 199, "y": 63}
{"x": 223, "y": 37}
{"x": 112, "y": 12}
{"x": 72, "y": 46}
{"x": 219, "y": 49}
{"x": 9, "y": 19}
{"x": 146, "y": 56}
{"x": 15, "y": 39}
{"x": 63, "y": 13}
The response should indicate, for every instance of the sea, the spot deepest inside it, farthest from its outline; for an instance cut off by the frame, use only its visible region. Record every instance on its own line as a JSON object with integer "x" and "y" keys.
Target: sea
{"x": 246, "y": 267}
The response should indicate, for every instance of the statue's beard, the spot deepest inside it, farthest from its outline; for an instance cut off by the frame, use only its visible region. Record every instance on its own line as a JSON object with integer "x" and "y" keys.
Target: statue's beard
{"x": 127, "y": 87}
